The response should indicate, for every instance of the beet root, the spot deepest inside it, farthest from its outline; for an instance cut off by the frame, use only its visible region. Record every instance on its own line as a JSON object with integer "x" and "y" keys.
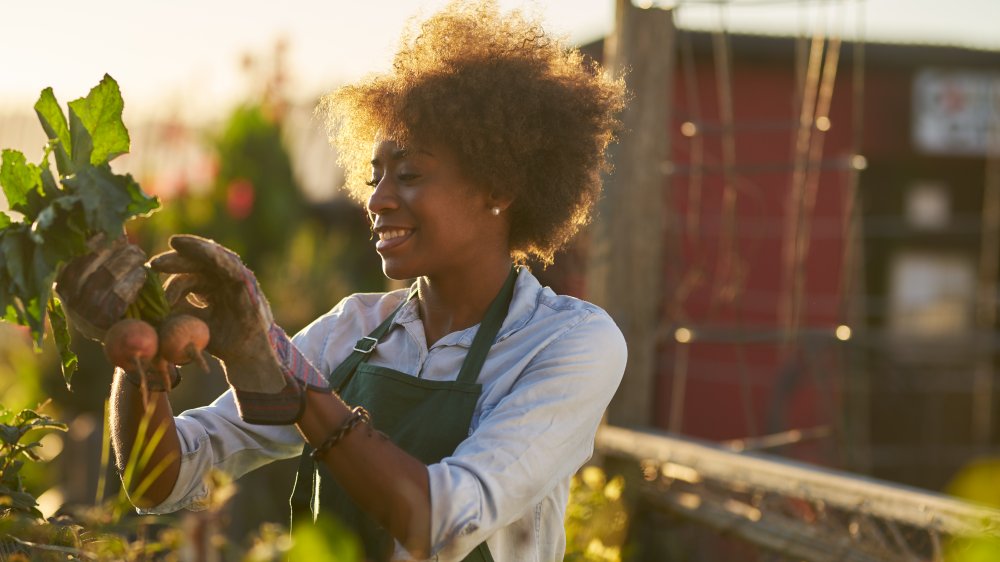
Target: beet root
{"x": 131, "y": 344}
{"x": 182, "y": 340}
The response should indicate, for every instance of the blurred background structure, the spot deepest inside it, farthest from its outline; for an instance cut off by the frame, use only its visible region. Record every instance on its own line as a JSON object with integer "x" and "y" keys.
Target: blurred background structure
{"x": 801, "y": 242}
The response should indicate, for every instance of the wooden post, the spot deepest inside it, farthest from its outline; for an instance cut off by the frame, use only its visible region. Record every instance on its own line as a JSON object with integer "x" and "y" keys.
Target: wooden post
{"x": 857, "y": 399}
{"x": 986, "y": 294}
{"x": 626, "y": 265}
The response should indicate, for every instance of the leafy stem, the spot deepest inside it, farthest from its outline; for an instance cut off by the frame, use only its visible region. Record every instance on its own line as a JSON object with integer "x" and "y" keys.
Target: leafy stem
{"x": 59, "y": 215}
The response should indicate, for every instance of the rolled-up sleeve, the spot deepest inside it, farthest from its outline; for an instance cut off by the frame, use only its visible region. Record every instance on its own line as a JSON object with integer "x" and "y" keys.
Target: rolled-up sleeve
{"x": 214, "y": 437}
{"x": 535, "y": 437}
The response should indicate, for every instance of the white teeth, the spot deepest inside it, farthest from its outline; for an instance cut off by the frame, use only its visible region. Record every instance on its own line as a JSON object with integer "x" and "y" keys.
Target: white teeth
{"x": 390, "y": 234}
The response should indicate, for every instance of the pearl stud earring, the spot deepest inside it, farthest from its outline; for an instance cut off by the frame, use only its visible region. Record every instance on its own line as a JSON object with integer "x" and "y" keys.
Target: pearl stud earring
{"x": 495, "y": 211}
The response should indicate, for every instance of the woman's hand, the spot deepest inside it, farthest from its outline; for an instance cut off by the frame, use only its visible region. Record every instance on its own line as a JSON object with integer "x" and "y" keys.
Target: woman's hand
{"x": 95, "y": 289}
{"x": 265, "y": 370}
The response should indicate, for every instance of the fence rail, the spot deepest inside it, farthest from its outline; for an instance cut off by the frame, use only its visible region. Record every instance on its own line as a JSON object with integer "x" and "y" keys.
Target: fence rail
{"x": 793, "y": 508}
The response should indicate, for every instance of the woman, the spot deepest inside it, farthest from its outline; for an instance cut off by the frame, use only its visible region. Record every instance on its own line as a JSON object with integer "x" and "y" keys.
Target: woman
{"x": 481, "y": 390}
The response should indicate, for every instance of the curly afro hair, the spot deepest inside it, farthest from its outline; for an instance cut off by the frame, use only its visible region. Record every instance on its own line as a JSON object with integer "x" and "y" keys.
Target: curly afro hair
{"x": 525, "y": 116}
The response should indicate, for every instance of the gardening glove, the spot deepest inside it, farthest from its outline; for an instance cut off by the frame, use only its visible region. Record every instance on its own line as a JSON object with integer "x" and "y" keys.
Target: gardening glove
{"x": 95, "y": 289}
{"x": 267, "y": 372}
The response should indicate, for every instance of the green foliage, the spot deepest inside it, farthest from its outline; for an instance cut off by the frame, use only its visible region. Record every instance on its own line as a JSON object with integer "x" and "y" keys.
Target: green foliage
{"x": 59, "y": 216}
{"x": 253, "y": 205}
{"x": 305, "y": 257}
{"x": 18, "y": 178}
{"x": 88, "y": 536}
{"x": 976, "y": 483}
{"x": 306, "y": 260}
{"x": 255, "y": 189}
{"x": 324, "y": 540}
{"x": 979, "y": 549}
{"x": 55, "y": 126}
{"x": 15, "y": 451}
{"x": 19, "y": 369}
{"x": 100, "y": 114}
{"x": 60, "y": 333}
{"x": 596, "y": 521}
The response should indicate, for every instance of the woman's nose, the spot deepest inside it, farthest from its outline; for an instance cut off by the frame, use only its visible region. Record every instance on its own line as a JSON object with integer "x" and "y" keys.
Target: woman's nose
{"x": 383, "y": 197}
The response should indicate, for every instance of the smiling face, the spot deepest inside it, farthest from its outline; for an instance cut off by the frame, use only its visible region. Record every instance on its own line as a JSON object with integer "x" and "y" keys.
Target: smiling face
{"x": 430, "y": 221}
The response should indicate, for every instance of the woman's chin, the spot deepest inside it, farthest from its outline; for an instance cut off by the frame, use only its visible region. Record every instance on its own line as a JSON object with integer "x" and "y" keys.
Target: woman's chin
{"x": 393, "y": 269}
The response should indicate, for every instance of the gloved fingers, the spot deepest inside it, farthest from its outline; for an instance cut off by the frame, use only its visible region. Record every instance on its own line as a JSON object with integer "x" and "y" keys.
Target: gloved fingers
{"x": 102, "y": 304}
{"x": 228, "y": 335}
{"x": 200, "y": 282}
{"x": 117, "y": 258}
{"x": 212, "y": 256}
{"x": 125, "y": 267}
{"x": 185, "y": 306}
{"x": 172, "y": 262}
{"x": 129, "y": 284}
{"x": 75, "y": 273}
{"x": 179, "y": 285}
{"x": 124, "y": 259}
{"x": 181, "y": 293}
{"x": 97, "y": 288}
{"x": 219, "y": 260}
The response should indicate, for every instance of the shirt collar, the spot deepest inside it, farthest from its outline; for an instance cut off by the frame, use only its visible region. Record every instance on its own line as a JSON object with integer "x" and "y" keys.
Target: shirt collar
{"x": 523, "y": 304}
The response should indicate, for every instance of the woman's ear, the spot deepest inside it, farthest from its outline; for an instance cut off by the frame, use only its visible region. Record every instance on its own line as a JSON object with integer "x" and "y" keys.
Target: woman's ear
{"x": 499, "y": 200}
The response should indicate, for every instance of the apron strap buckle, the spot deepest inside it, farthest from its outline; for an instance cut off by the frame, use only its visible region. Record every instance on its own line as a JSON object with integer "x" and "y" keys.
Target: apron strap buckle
{"x": 366, "y": 344}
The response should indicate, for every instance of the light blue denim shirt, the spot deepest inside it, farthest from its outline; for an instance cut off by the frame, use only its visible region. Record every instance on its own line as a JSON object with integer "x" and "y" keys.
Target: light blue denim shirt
{"x": 546, "y": 383}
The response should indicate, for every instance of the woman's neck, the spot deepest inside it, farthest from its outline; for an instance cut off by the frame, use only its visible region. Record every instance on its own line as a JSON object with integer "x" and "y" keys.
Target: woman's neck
{"x": 449, "y": 303}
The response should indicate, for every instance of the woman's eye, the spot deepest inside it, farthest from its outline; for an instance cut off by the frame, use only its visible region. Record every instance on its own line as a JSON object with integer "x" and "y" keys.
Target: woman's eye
{"x": 407, "y": 177}
{"x": 372, "y": 182}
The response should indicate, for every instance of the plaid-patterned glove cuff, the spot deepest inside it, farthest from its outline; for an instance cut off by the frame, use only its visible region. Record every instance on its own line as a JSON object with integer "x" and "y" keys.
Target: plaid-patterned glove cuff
{"x": 293, "y": 363}
{"x": 282, "y": 408}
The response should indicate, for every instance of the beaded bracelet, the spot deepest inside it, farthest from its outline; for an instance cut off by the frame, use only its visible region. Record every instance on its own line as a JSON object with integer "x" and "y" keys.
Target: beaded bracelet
{"x": 358, "y": 415}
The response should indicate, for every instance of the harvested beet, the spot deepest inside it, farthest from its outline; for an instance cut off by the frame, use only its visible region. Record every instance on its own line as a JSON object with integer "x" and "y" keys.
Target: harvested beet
{"x": 131, "y": 344}
{"x": 182, "y": 340}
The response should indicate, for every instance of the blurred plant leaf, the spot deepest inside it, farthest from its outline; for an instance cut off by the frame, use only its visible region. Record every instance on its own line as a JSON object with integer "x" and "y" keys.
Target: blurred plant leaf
{"x": 60, "y": 333}
{"x": 31, "y": 420}
{"x": 9, "y": 434}
{"x": 82, "y": 144}
{"x": 60, "y": 219}
{"x": 18, "y": 252}
{"x": 21, "y": 501}
{"x": 18, "y": 178}
{"x": 104, "y": 197}
{"x": 54, "y": 123}
{"x": 100, "y": 113}
{"x": 324, "y": 540}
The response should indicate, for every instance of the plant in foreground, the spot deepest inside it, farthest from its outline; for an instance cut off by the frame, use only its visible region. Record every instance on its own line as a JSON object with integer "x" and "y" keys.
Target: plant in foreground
{"x": 15, "y": 451}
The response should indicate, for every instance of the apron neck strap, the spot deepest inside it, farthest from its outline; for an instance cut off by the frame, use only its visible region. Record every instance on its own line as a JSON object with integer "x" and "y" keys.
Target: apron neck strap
{"x": 488, "y": 330}
{"x": 474, "y": 359}
{"x": 345, "y": 371}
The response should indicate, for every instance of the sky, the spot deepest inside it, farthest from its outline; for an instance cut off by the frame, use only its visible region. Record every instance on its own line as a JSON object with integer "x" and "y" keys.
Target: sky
{"x": 182, "y": 56}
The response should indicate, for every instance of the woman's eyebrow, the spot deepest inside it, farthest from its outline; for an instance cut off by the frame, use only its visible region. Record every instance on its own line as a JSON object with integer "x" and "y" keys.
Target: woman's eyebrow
{"x": 397, "y": 154}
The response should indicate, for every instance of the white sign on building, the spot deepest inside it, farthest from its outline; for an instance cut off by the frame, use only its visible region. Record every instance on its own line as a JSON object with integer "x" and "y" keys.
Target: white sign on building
{"x": 956, "y": 112}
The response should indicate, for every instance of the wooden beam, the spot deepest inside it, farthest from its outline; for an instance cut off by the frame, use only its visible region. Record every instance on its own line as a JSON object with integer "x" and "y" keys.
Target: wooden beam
{"x": 625, "y": 271}
{"x": 775, "y": 475}
{"x": 775, "y": 533}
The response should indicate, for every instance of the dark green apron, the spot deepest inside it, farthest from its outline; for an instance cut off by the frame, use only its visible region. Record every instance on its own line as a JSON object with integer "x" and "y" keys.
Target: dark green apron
{"x": 426, "y": 418}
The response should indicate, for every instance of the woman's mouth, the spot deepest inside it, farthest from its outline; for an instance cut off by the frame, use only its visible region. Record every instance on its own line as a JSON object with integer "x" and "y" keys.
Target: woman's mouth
{"x": 390, "y": 238}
